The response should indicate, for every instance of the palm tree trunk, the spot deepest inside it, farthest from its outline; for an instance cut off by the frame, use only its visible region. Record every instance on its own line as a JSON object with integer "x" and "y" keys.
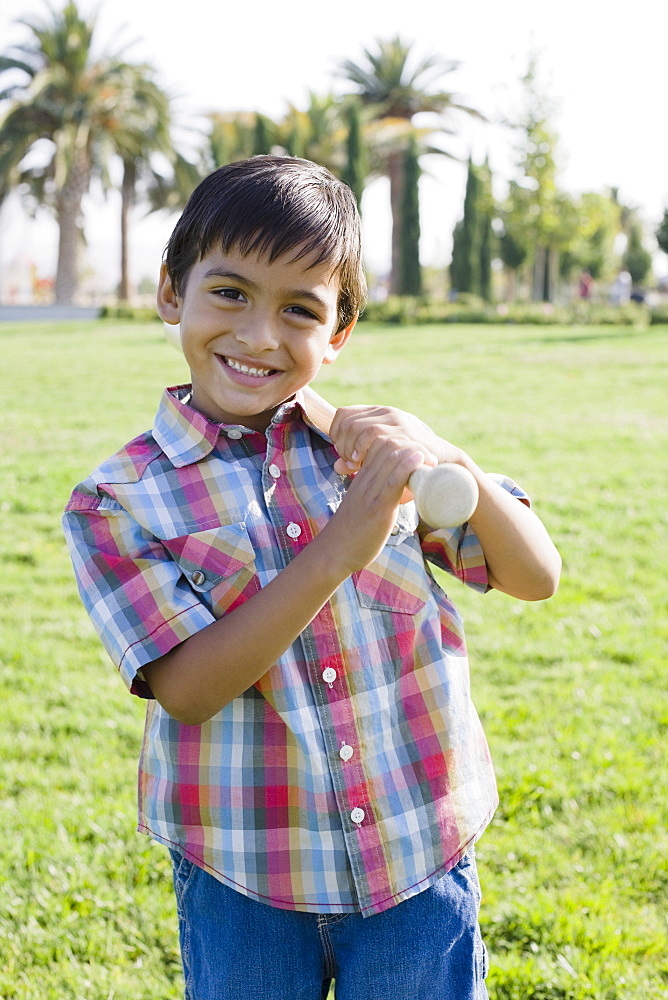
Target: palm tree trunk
{"x": 67, "y": 271}
{"x": 70, "y": 235}
{"x": 127, "y": 200}
{"x": 395, "y": 170}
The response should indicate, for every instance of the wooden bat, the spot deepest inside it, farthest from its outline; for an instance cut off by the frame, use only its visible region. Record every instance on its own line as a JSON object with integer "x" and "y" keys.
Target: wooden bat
{"x": 445, "y": 496}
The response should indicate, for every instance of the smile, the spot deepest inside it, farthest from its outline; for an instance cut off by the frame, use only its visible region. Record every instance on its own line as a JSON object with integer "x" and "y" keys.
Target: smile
{"x": 248, "y": 370}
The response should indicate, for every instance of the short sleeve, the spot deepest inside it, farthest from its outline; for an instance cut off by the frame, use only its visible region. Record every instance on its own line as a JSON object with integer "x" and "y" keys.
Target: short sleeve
{"x": 458, "y": 550}
{"x": 138, "y": 599}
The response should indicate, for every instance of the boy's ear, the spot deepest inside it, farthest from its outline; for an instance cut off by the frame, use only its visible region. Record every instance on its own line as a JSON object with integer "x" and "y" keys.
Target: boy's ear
{"x": 337, "y": 342}
{"x": 169, "y": 306}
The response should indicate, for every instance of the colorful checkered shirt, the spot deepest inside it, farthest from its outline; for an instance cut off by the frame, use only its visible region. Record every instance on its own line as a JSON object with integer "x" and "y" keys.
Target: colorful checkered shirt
{"x": 355, "y": 772}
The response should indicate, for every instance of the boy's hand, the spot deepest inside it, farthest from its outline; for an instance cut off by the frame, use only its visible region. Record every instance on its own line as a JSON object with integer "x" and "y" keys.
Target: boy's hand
{"x": 361, "y": 525}
{"x": 355, "y": 428}
{"x": 382, "y": 446}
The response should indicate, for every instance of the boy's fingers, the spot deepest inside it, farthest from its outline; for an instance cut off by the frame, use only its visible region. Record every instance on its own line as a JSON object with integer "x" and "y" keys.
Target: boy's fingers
{"x": 355, "y": 429}
{"x": 388, "y": 467}
{"x": 344, "y": 468}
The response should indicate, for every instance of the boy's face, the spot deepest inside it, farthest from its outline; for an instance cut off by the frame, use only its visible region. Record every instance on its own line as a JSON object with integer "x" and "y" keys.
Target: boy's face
{"x": 253, "y": 333}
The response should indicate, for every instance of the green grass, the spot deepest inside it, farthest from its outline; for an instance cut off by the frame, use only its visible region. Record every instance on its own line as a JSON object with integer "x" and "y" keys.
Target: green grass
{"x": 572, "y": 691}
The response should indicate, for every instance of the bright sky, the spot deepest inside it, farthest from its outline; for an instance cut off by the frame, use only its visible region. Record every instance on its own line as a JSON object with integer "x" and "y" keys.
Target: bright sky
{"x": 603, "y": 64}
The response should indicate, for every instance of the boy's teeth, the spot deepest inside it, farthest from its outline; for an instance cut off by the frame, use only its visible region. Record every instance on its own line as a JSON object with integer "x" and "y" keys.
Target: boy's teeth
{"x": 246, "y": 369}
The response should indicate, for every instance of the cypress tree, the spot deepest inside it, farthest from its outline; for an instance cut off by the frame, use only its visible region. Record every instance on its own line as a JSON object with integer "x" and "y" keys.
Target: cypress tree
{"x": 486, "y": 234}
{"x": 262, "y": 141}
{"x": 465, "y": 266}
{"x": 410, "y": 275}
{"x": 662, "y": 232}
{"x": 355, "y": 169}
{"x": 471, "y": 266}
{"x": 636, "y": 259}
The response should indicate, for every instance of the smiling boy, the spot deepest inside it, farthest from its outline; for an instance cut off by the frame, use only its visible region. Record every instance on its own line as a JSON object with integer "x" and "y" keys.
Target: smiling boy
{"x": 311, "y": 755}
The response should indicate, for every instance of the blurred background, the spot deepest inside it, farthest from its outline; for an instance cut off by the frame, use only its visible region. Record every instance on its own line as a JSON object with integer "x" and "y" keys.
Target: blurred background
{"x": 501, "y": 153}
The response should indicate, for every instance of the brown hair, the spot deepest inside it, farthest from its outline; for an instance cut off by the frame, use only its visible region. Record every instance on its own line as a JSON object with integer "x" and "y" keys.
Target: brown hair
{"x": 272, "y": 205}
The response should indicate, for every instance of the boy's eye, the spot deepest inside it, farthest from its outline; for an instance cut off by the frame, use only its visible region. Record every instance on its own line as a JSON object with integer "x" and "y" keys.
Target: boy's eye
{"x": 301, "y": 311}
{"x": 230, "y": 293}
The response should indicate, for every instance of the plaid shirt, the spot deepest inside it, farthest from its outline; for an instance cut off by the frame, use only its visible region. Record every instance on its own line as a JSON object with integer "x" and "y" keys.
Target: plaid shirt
{"x": 355, "y": 772}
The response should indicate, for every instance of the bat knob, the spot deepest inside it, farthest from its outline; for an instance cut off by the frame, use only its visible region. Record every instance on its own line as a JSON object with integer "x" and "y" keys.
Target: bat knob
{"x": 445, "y": 496}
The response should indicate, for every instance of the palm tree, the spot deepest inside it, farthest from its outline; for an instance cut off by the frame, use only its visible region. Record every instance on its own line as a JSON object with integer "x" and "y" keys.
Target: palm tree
{"x": 232, "y": 137}
{"x": 317, "y": 133}
{"x": 142, "y": 127}
{"x": 85, "y": 109}
{"x": 396, "y": 88}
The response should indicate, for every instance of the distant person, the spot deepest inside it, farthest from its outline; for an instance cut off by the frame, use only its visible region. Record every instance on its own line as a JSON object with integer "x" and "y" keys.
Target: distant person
{"x": 620, "y": 290}
{"x": 586, "y": 284}
{"x": 312, "y": 758}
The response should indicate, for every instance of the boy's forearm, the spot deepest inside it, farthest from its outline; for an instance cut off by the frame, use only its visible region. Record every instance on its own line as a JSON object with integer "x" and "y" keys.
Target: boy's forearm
{"x": 521, "y": 558}
{"x": 201, "y": 675}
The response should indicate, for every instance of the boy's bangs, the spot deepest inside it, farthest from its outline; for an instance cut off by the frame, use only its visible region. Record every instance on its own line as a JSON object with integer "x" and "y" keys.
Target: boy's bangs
{"x": 312, "y": 232}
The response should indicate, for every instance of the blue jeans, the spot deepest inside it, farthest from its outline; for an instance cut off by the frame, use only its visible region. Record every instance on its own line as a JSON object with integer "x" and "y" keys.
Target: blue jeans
{"x": 427, "y": 948}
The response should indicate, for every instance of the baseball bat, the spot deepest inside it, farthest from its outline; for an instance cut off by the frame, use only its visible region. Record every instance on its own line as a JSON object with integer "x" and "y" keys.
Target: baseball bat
{"x": 445, "y": 495}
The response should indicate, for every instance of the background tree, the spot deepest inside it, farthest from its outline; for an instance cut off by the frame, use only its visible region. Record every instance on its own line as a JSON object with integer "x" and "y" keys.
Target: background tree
{"x": 487, "y": 237}
{"x": 263, "y": 135}
{"x": 318, "y": 132}
{"x": 636, "y": 258}
{"x": 395, "y": 87}
{"x": 471, "y": 266}
{"x": 232, "y": 136}
{"x": 513, "y": 246}
{"x": 141, "y": 128}
{"x": 662, "y": 232}
{"x": 594, "y": 225}
{"x": 67, "y": 108}
{"x": 410, "y": 275}
{"x": 536, "y": 212}
{"x": 356, "y": 167}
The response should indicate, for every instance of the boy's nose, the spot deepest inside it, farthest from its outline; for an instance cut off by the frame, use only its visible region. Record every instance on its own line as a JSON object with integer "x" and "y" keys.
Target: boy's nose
{"x": 258, "y": 334}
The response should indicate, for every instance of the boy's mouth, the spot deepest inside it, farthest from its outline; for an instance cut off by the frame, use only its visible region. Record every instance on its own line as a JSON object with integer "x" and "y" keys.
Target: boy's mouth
{"x": 255, "y": 372}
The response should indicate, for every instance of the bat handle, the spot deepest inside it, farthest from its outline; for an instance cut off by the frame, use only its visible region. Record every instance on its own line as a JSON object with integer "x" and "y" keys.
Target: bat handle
{"x": 445, "y": 495}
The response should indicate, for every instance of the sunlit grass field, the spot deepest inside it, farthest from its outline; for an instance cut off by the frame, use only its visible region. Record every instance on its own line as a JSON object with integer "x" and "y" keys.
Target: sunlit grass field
{"x": 572, "y": 691}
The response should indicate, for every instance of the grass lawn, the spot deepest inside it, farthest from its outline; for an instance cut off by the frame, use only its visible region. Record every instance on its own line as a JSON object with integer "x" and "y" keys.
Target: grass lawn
{"x": 572, "y": 691}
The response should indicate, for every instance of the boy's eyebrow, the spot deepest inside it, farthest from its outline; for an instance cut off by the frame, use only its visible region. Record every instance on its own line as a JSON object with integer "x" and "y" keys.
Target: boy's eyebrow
{"x": 219, "y": 272}
{"x": 296, "y": 293}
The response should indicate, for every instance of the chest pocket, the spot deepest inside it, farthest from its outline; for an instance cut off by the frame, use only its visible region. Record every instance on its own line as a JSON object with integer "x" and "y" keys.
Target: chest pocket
{"x": 397, "y": 580}
{"x": 219, "y": 565}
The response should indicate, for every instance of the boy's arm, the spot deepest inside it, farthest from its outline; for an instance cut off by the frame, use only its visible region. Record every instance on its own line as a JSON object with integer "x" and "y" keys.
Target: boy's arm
{"x": 201, "y": 675}
{"x": 521, "y": 558}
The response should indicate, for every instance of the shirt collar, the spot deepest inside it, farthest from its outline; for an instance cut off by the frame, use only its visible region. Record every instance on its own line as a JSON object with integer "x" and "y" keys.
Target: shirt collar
{"x": 186, "y": 435}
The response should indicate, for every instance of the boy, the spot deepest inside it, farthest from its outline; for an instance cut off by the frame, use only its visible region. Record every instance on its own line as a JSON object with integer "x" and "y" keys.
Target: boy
{"x": 311, "y": 757}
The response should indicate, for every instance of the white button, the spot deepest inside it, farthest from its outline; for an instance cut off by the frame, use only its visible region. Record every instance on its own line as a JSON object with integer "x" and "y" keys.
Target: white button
{"x": 274, "y": 471}
{"x": 234, "y": 434}
{"x": 357, "y": 815}
{"x": 198, "y": 578}
{"x": 395, "y": 530}
{"x": 329, "y": 675}
{"x": 294, "y": 530}
{"x": 346, "y": 752}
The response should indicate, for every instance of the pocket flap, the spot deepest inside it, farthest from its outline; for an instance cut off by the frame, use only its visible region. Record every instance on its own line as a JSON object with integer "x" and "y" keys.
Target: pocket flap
{"x": 207, "y": 557}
